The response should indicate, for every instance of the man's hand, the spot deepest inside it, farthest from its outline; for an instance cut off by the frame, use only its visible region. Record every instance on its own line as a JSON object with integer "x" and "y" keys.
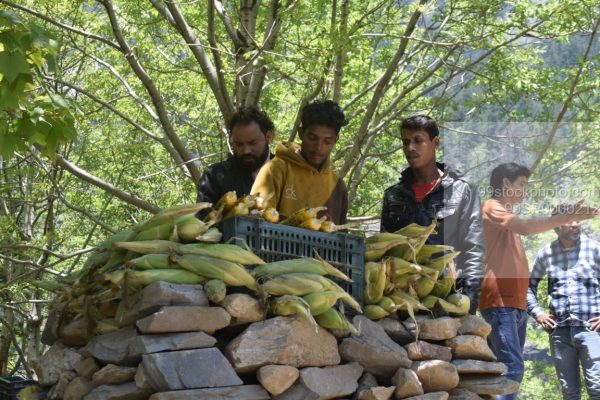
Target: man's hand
{"x": 547, "y": 321}
{"x": 594, "y": 324}
{"x": 582, "y": 212}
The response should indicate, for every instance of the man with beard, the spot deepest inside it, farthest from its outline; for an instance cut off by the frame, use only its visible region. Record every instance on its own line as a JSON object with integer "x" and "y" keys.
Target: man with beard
{"x": 572, "y": 264}
{"x": 429, "y": 190}
{"x": 300, "y": 175}
{"x": 250, "y": 133}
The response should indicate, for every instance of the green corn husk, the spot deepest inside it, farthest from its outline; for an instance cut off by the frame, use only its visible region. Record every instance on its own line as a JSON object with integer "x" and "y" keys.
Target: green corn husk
{"x": 228, "y": 252}
{"x": 298, "y": 265}
{"x": 233, "y": 274}
{"x": 375, "y": 280}
{"x": 170, "y": 214}
{"x": 215, "y": 290}
{"x": 123, "y": 236}
{"x": 149, "y": 246}
{"x": 188, "y": 228}
{"x": 289, "y": 305}
{"x": 151, "y": 261}
{"x": 159, "y": 232}
{"x": 212, "y": 235}
{"x": 374, "y": 312}
{"x": 137, "y": 279}
{"x": 333, "y": 319}
{"x": 440, "y": 262}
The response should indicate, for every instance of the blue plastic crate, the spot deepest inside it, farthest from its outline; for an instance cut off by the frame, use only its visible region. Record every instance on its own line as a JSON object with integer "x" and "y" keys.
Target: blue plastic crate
{"x": 10, "y": 386}
{"x": 274, "y": 242}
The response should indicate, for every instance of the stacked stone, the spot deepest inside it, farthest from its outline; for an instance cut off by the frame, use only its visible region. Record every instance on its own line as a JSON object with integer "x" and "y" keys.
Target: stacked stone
{"x": 174, "y": 345}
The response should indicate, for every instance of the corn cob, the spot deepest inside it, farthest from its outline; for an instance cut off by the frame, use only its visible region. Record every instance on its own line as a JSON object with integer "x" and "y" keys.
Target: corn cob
{"x": 233, "y": 274}
{"x": 117, "y": 258}
{"x": 430, "y": 301}
{"x": 227, "y": 201}
{"x": 377, "y": 245}
{"x": 261, "y": 202}
{"x": 293, "y": 284}
{"x": 212, "y": 235}
{"x": 309, "y": 265}
{"x": 188, "y": 227}
{"x": 289, "y": 305}
{"x": 374, "y": 312}
{"x": 425, "y": 284}
{"x": 136, "y": 279}
{"x": 440, "y": 262}
{"x": 415, "y": 230}
{"x": 387, "y": 304}
{"x": 429, "y": 250}
{"x": 170, "y": 214}
{"x": 158, "y": 232}
{"x": 400, "y": 266}
{"x": 150, "y": 261}
{"x": 313, "y": 224}
{"x": 333, "y": 319}
{"x": 461, "y": 302}
{"x": 443, "y": 287}
{"x": 270, "y": 215}
{"x": 302, "y": 215}
{"x": 329, "y": 226}
{"x": 148, "y": 246}
{"x": 122, "y": 236}
{"x": 375, "y": 280}
{"x": 215, "y": 290}
{"x": 229, "y": 252}
{"x": 320, "y": 302}
{"x": 240, "y": 209}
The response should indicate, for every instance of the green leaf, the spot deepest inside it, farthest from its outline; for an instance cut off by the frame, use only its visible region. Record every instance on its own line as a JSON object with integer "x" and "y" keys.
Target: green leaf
{"x": 12, "y": 64}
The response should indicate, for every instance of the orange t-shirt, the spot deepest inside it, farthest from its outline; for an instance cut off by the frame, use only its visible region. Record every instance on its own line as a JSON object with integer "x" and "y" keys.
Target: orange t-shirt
{"x": 506, "y": 268}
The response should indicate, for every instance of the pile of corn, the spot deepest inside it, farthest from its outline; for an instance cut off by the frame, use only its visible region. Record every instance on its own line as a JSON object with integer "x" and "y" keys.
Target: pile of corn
{"x": 176, "y": 247}
{"x": 404, "y": 273}
{"x": 300, "y": 286}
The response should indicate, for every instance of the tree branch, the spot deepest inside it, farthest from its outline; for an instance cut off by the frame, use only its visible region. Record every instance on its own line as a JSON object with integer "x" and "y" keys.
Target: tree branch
{"x": 154, "y": 93}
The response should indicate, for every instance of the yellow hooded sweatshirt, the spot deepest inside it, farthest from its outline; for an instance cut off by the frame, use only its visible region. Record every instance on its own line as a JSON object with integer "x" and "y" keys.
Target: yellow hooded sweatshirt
{"x": 296, "y": 184}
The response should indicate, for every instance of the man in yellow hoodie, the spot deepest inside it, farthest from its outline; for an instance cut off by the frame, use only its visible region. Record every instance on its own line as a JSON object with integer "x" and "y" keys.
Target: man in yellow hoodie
{"x": 301, "y": 175}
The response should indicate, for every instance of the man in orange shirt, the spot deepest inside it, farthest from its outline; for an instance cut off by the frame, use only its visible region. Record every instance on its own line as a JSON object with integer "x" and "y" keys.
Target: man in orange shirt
{"x": 504, "y": 290}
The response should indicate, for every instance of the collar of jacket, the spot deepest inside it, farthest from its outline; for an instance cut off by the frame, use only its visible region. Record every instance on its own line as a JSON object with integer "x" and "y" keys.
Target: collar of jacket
{"x": 449, "y": 176}
{"x": 291, "y": 152}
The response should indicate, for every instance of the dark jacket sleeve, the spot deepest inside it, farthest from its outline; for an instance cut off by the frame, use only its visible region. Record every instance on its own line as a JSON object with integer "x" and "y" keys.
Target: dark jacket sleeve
{"x": 207, "y": 191}
{"x": 384, "y": 215}
{"x": 471, "y": 260}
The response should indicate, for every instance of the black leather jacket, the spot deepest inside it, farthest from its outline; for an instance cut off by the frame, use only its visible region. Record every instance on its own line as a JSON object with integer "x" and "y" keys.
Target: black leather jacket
{"x": 456, "y": 205}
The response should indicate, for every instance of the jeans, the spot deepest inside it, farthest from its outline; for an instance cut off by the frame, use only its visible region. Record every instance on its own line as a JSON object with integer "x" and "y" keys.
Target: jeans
{"x": 571, "y": 346}
{"x": 509, "y": 326}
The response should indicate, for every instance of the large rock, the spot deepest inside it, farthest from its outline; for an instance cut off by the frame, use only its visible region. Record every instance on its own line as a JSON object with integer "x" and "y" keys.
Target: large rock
{"x": 430, "y": 396}
{"x": 374, "y": 349}
{"x": 86, "y": 367}
{"x": 57, "y": 392}
{"x": 157, "y": 295}
{"x": 243, "y": 308}
{"x": 437, "y": 328}
{"x": 463, "y": 394}
{"x": 407, "y": 383}
{"x": 324, "y": 383}
{"x": 112, "y": 348}
{"x": 248, "y": 392}
{"x": 113, "y": 374}
{"x": 276, "y": 379}
{"x": 124, "y": 391}
{"x": 146, "y": 344}
{"x": 401, "y": 332}
{"x": 284, "y": 341}
{"x": 480, "y": 367}
{"x": 184, "y": 319}
{"x": 76, "y": 333}
{"x": 56, "y": 360}
{"x": 377, "y": 393}
{"x": 474, "y": 325}
{"x": 421, "y": 350}
{"x": 141, "y": 380}
{"x": 189, "y": 369}
{"x": 365, "y": 382}
{"x": 470, "y": 347}
{"x": 436, "y": 375}
{"x": 488, "y": 385}
{"x": 78, "y": 388}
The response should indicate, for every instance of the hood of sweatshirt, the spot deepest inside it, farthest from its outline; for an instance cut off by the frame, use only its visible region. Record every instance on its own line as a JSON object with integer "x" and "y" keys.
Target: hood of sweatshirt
{"x": 291, "y": 152}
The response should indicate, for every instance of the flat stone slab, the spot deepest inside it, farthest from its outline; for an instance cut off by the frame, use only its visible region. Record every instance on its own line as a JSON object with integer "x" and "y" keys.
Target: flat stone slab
{"x": 480, "y": 367}
{"x": 113, "y": 374}
{"x": 246, "y": 392}
{"x": 112, "y": 348}
{"x": 156, "y": 295}
{"x": 373, "y": 349}
{"x": 185, "y": 319}
{"x": 147, "y": 344}
{"x": 437, "y": 328}
{"x": 430, "y": 396}
{"x": 377, "y": 393}
{"x": 125, "y": 391}
{"x": 56, "y": 360}
{"x": 189, "y": 369}
{"x": 470, "y": 347}
{"x": 422, "y": 350}
{"x": 463, "y": 394}
{"x": 488, "y": 385}
{"x": 324, "y": 383}
{"x": 401, "y": 332}
{"x": 474, "y": 325}
{"x": 282, "y": 341}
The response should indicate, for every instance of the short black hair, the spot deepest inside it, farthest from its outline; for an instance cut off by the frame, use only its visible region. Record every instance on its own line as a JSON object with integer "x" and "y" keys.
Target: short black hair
{"x": 511, "y": 171}
{"x": 323, "y": 112}
{"x": 248, "y": 115}
{"x": 420, "y": 122}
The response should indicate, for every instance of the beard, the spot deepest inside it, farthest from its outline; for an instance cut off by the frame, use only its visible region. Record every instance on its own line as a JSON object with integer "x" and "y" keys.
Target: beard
{"x": 253, "y": 162}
